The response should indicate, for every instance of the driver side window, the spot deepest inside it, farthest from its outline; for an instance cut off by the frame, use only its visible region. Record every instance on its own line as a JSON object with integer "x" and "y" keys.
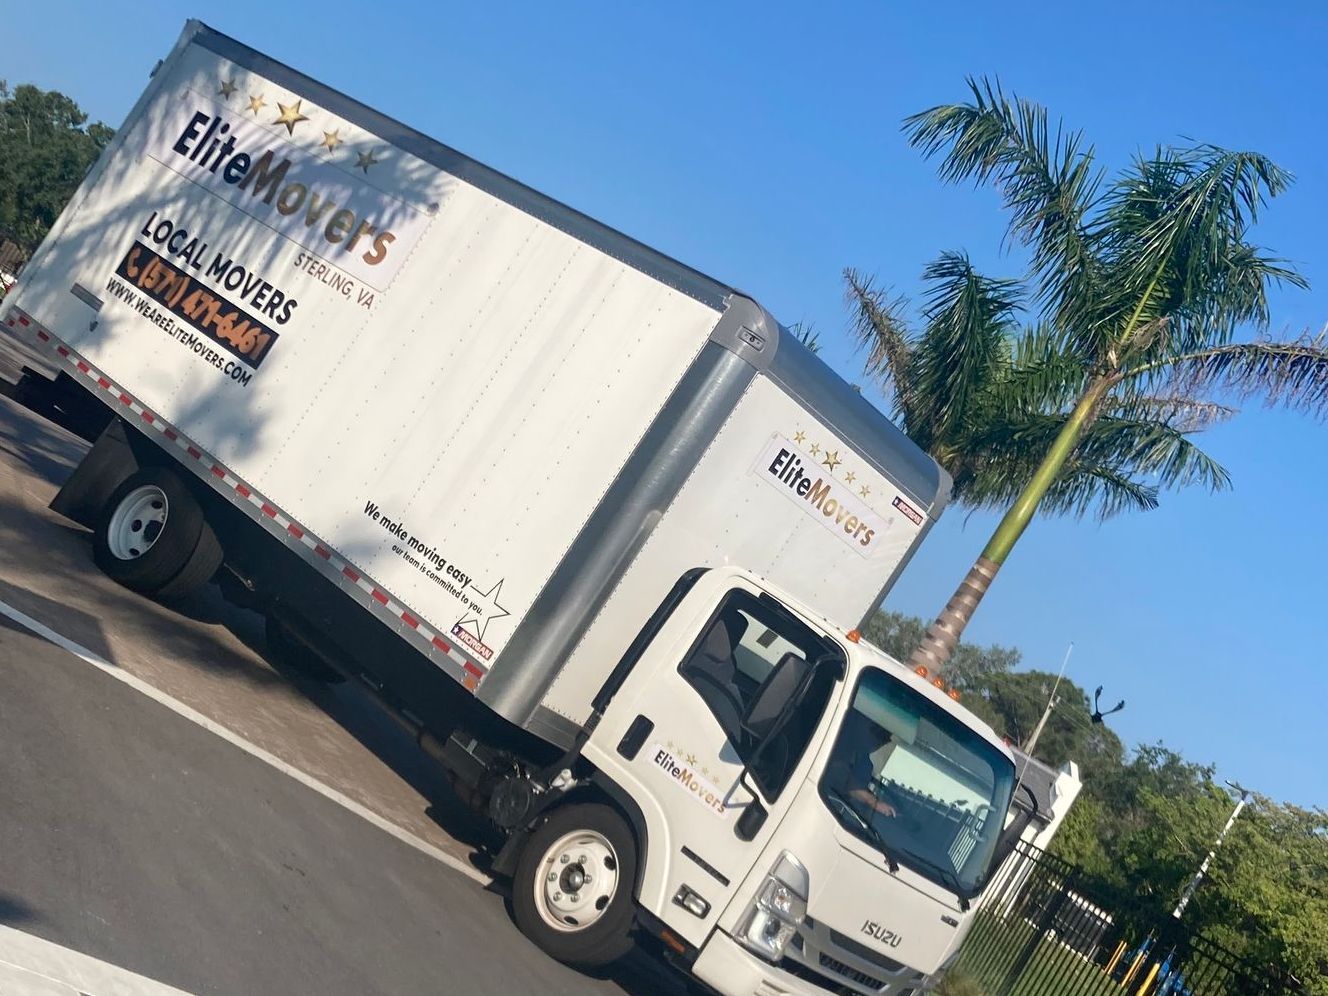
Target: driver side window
{"x": 735, "y": 653}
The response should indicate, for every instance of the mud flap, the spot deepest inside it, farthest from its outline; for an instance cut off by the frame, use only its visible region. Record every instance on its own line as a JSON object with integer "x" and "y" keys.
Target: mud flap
{"x": 110, "y": 461}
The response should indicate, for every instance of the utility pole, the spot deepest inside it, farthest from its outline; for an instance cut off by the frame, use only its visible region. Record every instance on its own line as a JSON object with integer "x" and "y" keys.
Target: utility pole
{"x": 1037, "y": 730}
{"x": 1193, "y": 887}
{"x": 1052, "y": 702}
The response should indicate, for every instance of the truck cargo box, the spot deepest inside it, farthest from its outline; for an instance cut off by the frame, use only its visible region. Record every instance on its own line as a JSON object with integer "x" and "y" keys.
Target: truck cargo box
{"x": 501, "y": 428}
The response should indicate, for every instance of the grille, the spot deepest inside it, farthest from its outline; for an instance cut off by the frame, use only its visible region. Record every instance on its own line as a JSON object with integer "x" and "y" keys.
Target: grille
{"x": 865, "y": 953}
{"x": 815, "y": 978}
{"x": 861, "y": 978}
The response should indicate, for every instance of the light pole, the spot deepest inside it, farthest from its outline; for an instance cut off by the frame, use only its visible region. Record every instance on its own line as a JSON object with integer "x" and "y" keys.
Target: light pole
{"x": 1190, "y": 889}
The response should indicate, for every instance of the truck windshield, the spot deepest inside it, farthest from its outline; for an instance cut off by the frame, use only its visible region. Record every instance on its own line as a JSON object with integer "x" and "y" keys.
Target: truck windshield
{"x": 917, "y": 783}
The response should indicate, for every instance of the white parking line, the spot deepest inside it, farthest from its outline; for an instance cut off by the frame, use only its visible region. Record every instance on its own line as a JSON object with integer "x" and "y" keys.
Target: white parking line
{"x": 212, "y": 726}
{"x": 34, "y": 967}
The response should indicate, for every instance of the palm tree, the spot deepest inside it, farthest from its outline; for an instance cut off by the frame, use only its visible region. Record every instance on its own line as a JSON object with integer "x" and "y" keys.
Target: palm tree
{"x": 1140, "y": 287}
{"x": 986, "y": 397}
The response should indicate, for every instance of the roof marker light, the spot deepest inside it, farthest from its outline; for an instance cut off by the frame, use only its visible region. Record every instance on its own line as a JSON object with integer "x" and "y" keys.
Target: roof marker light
{"x": 854, "y": 636}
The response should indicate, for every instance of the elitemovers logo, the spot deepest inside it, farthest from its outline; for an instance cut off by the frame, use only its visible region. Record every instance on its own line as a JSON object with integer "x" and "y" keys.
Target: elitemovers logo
{"x": 352, "y": 224}
{"x": 683, "y": 772}
{"x": 811, "y": 483}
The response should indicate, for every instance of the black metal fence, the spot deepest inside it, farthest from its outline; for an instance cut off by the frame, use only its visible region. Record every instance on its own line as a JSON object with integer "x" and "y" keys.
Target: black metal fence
{"x": 1044, "y": 931}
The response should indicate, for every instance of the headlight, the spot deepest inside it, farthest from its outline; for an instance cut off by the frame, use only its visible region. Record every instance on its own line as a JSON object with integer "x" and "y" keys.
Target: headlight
{"x": 778, "y": 910}
{"x": 777, "y": 898}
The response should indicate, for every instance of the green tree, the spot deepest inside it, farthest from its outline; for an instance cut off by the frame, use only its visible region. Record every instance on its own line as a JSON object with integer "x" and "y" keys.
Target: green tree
{"x": 46, "y": 148}
{"x": 1141, "y": 287}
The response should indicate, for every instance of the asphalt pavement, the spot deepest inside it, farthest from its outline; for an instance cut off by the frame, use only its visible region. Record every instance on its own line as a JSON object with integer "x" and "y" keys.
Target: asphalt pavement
{"x": 137, "y": 836}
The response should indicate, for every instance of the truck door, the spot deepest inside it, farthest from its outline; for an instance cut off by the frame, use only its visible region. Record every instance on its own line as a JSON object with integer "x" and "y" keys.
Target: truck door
{"x": 676, "y": 742}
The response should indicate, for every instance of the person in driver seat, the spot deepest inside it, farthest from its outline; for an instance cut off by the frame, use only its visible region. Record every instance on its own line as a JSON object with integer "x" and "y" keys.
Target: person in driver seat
{"x": 852, "y": 772}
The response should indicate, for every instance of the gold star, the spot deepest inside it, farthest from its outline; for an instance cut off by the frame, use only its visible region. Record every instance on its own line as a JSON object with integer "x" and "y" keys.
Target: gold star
{"x": 256, "y": 104}
{"x": 363, "y": 160}
{"x": 691, "y": 759}
{"x": 290, "y": 116}
{"x": 848, "y": 477}
{"x": 228, "y": 87}
{"x": 864, "y": 491}
{"x": 832, "y": 459}
{"x": 816, "y": 449}
{"x": 670, "y": 745}
{"x": 800, "y": 437}
{"x": 331, "y": 139}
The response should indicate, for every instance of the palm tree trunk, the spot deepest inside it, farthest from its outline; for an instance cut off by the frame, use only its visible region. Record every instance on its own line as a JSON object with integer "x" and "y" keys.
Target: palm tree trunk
{"x": 943, "y": 634}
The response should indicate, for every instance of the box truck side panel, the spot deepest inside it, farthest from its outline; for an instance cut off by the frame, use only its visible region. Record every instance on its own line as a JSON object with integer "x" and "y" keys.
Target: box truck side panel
{"x": 783, "y": 494}
{"x": 437, "y": 378}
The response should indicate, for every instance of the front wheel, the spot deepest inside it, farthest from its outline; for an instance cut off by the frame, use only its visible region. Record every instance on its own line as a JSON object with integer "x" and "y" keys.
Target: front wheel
{"x": 572, "y": 889}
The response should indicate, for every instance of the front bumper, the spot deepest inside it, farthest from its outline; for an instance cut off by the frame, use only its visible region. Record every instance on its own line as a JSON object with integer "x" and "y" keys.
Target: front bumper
{"x": 729, "y": 968}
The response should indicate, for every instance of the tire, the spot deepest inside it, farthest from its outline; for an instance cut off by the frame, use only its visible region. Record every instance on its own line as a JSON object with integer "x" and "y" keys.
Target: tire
{"x": 151, "y": 536}
{"x": 293, "y": 655}
{"x": 589, "y": 924}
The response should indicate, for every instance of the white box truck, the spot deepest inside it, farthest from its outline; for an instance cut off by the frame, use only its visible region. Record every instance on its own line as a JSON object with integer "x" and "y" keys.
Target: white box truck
{"x": 591, "y": 524}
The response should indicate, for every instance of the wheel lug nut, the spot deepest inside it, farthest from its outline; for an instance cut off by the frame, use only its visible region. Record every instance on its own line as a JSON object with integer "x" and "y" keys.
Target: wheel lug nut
{"x": 563, "y": 860}
{"x": 553, "y": 876}
{"x": 557, "y": 896}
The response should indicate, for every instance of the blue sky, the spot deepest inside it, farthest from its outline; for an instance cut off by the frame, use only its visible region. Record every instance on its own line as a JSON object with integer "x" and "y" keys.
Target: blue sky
{"x": 761, "y": 143}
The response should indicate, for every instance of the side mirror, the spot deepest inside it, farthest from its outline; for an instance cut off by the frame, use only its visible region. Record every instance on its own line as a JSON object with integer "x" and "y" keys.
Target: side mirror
{"x": 1011, "y": 835}
{"x": 774, "y": 700}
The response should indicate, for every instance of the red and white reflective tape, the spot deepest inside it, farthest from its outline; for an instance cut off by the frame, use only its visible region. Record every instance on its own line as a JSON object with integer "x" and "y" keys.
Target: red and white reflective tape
{"x": 322, "y": 556}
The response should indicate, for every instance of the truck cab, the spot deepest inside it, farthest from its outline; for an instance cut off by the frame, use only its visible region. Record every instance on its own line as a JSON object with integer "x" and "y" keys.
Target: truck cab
{"x": 806, "y": 813}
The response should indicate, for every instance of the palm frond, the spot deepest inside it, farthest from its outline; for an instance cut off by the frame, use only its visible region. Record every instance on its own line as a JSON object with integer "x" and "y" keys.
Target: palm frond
{"x": 1184, "y": 414}
{"x": 1291, "y": 375}
{"x": 1047, "y": 180}
{"x": 1148, "y": 452}
{"x": 1105, "y": 492}
{"x": 879, "y": 326}
{"x": 1155, "y": 449}
{"x": 1173, "y": 231}
{"x": 962, "y": 348}
{"x": 1043, "y": 375}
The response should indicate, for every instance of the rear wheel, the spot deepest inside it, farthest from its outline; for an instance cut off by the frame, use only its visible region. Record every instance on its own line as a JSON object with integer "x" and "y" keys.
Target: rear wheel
{"x": 572, "y": 889}
{"x": 152, "y": 537}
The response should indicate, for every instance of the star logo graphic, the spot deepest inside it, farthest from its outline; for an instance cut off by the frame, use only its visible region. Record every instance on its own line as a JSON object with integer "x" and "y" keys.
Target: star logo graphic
{"x": 228, "y": 87}
{"x": 816, "y": 449}
{"x": 485, "y": 610}
{"x": 290, "y": 116}
{"x": 864, "y": 491}
{"x": 832, "y": 459}
{"x": 800, "y": 437}
{"x": 363, "y": 160}
{"x": 849, "y": 476}
{"x": 331, "y": 139}
{"x": 691, "y": 759}
{"x": 256, "y": 104}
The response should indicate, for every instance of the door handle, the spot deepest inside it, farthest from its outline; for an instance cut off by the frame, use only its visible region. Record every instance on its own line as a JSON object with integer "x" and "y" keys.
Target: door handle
{"x": 630, "y": 745}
